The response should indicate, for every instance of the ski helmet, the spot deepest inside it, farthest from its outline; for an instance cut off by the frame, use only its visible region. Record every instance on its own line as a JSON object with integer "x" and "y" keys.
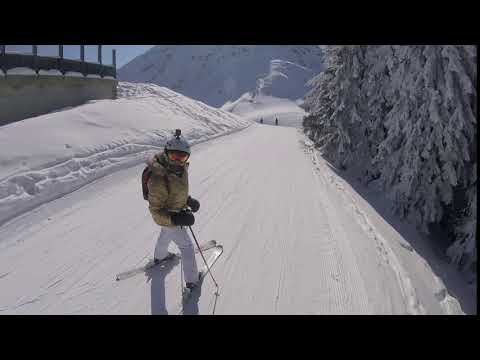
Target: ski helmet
{"x": 178, "y": 143}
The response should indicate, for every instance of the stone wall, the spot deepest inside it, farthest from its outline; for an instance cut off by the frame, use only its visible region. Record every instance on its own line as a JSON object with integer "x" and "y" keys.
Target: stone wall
{"x": 24, "y": 96}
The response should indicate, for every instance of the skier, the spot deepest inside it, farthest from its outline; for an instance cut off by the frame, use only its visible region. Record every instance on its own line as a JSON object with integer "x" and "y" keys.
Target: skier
{"x": 261, "y": 120}
{"x": 276, "y": 121}
{"x": 168, "y": 198}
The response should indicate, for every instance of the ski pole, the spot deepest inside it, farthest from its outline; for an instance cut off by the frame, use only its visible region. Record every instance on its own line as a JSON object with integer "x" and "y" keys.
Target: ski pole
{"x": 203, "y": 257}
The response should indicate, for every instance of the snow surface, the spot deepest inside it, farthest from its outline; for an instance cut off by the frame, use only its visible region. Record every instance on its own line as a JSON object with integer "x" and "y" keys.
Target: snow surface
{"x": 21, "y": 71}
{"x": 286, "y": 79}
{"x": 297, "y": 238}
{"x": 277, "y": 95}
{"x": 73, "y": 74}
{"x": 45, "y": 157}
{"x": 50, "y": 72}
{"x": 268, "y": 108}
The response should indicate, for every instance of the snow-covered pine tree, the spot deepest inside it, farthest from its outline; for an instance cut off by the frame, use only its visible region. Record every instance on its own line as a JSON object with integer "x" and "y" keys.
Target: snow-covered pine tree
{"x": 461, "y": 84}
{"x": 336, "y": 107}
{"x": 379, "y": 94}
{"x": 318, "y": 103}
{"x": 428, "y": 157}
{"x": 411, "y": 111}
{"x": 407, "y": 156}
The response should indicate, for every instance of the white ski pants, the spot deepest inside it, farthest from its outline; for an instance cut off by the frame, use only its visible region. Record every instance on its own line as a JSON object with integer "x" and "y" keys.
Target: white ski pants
{"x": 179, "y": 235}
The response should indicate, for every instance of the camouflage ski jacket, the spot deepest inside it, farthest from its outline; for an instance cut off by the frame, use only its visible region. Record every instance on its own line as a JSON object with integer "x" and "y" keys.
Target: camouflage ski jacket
{"x": 166, "y": 190}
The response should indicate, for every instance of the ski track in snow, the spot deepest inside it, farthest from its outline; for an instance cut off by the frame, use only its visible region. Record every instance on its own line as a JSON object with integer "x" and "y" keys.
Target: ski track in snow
{"x": 413, "y": 303}
{"x": 296, "y": 241}
{"x": 386, "y": 253}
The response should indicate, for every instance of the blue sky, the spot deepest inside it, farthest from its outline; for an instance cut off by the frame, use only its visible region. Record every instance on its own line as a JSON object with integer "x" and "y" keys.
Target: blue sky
{"x": 125, "y": 53}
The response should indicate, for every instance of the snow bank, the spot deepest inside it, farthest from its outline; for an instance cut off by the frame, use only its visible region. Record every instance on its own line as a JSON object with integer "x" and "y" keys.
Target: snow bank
{"x": 50, "y": 72}
{"x": 73, "y": 74}
{"x": 48, "y": 156}
{"x": 21, "y": 71}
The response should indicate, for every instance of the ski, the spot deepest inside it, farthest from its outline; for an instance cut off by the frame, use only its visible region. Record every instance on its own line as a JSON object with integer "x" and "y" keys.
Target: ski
{"x": 151, "y": 263}
{"x": 186, "y": 292}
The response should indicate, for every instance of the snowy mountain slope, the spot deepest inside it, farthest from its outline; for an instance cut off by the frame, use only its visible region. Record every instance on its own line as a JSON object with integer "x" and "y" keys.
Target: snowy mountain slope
{"x": 50, "y": 155}
{"x": 294, "y": 244}
{"x": 255, "y": 107}
{"x": 276, "y": 96}
{"x": 216, "y": 74}
{"x": 286, "y": 80}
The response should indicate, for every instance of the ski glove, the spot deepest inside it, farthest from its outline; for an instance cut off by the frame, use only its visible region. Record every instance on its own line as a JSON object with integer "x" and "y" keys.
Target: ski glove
{"x": 182, "y": 218}
{"x": 194, "y": 204}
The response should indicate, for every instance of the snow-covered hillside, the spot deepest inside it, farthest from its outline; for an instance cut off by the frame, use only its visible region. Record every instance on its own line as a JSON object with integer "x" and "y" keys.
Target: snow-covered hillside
{"x": 276, "y": 96}
{"x": 216, "y": 74}
{"x": 268, "y": 108}
{"x": 50, "y": 155}
{"x": 286, "y": 80}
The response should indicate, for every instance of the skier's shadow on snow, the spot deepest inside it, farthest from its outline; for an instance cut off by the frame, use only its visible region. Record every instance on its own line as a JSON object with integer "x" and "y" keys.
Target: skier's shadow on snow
{"x": 156, "y": 276}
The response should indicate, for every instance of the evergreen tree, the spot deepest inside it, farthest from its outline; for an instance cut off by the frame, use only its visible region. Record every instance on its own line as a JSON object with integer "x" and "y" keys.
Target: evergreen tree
{"x": 406, "y": 114}
{"x": 336, "y": 106}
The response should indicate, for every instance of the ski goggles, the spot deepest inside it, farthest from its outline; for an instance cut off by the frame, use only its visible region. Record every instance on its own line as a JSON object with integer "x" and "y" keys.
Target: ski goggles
{"x": 179, "y": 156}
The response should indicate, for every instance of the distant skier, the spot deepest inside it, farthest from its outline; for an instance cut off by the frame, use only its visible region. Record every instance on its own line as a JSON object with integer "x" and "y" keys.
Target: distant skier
{"x": 276, "y": 121}
{"x": 167, "y": 194}
{"x": 261, "y": 121}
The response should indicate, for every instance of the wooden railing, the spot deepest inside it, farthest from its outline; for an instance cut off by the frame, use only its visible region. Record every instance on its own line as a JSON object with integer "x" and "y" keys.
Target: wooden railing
{"x": 33, "y": 61}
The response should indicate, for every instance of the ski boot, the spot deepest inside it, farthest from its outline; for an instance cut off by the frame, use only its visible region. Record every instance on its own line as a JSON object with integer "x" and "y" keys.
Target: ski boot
{"x": 193, "y": 285}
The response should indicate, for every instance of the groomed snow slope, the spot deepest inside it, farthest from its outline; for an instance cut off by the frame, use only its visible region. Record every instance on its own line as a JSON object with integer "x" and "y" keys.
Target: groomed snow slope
{"x": 297, "y": 238}
{"x": 268, "y": 108}
{"x": 48, "y": 156}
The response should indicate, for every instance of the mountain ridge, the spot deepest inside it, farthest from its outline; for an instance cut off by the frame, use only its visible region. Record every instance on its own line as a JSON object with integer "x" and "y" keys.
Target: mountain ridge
{"x": 217, "y": 74}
